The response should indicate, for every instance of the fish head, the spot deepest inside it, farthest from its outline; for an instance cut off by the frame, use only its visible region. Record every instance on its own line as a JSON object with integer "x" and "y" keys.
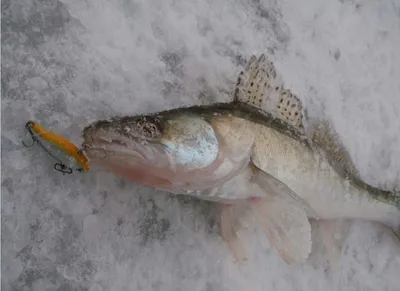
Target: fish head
{"x": 170, "y": 152}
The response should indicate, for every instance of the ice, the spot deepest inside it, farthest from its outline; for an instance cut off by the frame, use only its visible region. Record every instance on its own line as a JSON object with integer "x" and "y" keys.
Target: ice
{"x": 68, "y": 63}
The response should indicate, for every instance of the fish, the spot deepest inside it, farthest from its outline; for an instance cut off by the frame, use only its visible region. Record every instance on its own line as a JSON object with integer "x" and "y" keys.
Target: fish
{"x": 254, "y": 156}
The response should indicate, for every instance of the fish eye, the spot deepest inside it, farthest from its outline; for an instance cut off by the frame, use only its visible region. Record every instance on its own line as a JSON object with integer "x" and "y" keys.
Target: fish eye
{"x": 145, "y": 127}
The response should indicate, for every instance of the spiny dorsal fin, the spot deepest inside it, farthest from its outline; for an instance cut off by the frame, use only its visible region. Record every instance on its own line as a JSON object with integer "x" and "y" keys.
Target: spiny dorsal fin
{"x": 261, "y": 87}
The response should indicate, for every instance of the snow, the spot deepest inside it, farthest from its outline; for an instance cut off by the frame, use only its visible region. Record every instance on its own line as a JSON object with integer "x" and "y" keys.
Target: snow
{"x": 68, "y": 63}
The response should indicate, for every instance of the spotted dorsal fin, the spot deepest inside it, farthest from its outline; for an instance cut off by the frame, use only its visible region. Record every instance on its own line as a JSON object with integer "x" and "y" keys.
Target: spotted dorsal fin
{"x": 260, "y": 86}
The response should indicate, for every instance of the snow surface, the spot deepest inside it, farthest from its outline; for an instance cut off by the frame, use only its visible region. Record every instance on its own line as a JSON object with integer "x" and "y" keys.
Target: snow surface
{"x": 68, "y": 63}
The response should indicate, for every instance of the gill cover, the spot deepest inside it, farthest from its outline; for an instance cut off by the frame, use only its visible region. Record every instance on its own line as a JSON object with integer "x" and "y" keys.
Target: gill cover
{"x": 190, "y": 142}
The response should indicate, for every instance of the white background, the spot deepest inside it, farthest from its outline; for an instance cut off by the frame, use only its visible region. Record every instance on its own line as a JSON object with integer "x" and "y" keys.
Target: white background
{"x": 68, "y": 63}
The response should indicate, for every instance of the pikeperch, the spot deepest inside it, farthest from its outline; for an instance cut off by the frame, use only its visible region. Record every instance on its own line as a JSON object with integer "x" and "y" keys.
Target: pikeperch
{"x": 252, "y": 155}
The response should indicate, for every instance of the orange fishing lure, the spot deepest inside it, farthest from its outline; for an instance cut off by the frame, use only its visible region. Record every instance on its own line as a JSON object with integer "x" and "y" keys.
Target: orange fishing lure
{"x": 36, "y": 131}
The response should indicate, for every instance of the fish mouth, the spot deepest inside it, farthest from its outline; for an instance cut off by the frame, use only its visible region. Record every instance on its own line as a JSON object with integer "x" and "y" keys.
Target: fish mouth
{"x": 104, "y": 139}
{"x": 102, "y": 130}
{"x": 142, "y": 161}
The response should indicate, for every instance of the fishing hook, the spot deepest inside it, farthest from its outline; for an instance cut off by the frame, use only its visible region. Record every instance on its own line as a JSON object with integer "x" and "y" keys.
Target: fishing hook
{"x": 59, "y": 166}
{"x": 29, "y": 126}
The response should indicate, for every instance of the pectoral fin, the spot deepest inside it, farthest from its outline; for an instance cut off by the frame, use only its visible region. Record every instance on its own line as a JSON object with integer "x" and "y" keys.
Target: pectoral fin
{"x": 276, "y": 188}
{"x": 280, "y": 213}
{"x": 284, "y": 217}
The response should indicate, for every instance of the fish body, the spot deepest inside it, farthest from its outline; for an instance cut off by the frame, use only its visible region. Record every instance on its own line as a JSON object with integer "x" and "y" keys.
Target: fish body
{"x": 247, "y": 158}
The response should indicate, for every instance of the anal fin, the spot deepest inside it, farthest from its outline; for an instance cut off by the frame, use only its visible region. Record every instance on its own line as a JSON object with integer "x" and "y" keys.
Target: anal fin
{"x": 283, "y": 215}
{"x": 276, "y": 188}
{"x": 331, "y": 235}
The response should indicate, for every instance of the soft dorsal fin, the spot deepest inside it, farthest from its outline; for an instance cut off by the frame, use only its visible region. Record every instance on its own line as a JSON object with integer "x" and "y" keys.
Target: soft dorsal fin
{"x": 327, "y": 140}
{"x": 260, "y": 86}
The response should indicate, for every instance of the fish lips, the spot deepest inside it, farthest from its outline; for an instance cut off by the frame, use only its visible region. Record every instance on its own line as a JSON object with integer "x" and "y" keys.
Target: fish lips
{"x": 102, "y": 143}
